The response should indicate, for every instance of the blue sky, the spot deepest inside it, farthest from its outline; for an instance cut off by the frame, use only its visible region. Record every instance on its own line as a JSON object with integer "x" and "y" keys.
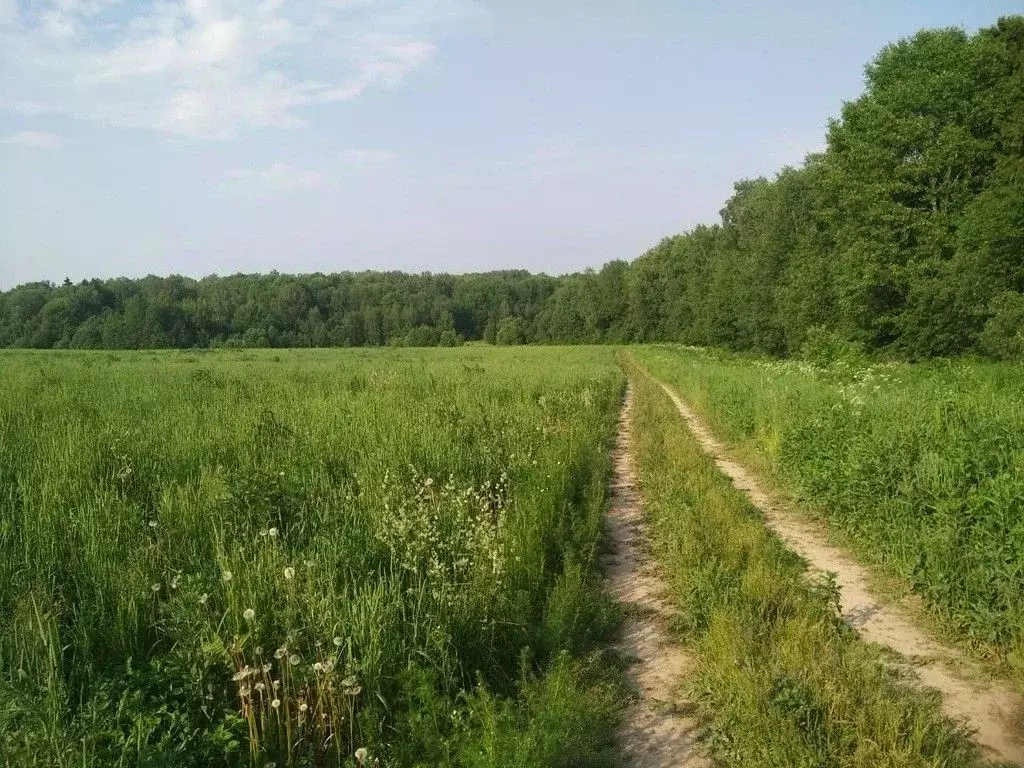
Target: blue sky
{"x": 218, "y": 136}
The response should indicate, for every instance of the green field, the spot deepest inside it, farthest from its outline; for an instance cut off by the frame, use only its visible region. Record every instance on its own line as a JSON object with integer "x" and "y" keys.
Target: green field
{"x": 255, "y": 558}
{"x": 291, "y": 556}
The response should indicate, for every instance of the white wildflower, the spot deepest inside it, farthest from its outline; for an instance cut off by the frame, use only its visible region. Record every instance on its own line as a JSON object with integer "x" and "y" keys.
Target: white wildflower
{"x": 227, "y": 576}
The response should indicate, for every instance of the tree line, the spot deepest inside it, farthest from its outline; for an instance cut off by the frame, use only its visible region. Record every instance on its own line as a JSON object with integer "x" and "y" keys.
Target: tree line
{"x": 905, "y": 237}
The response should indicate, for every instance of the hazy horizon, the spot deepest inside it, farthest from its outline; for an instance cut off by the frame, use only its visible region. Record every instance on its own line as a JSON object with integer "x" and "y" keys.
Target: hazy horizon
{"x": 443, "y": 136}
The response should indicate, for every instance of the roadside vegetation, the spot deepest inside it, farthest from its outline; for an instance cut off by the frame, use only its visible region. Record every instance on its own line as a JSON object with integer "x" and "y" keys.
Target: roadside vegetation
{"x": 780, "y": 679}
{"x": 305, "y": 559}
{"x": 918, "y": 467}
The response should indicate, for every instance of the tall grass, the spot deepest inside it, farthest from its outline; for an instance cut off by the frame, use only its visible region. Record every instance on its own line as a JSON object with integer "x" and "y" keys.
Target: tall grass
{"x": 920, "y": 467}
{"x": 780, "y": 680}
{"x": 254, "y": 558}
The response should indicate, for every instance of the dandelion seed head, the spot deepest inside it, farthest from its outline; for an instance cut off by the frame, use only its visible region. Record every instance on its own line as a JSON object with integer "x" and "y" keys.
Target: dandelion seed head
{"x": 275, "y": 703}
{"x": 338, "y": 641}
{"x": 155, "y": 587}
{"x": 272, "y": 533}
{"x": 261, "y": 687}
{"x": 361, "y": 754}
{"x": 289, "y": 573}
{"x": 280, "y": 652}
{"x": 303, "y": 707}
{"x": 249, "y": 614}
{"x": 227, "y": 576}
{"x": 294, "y": 659}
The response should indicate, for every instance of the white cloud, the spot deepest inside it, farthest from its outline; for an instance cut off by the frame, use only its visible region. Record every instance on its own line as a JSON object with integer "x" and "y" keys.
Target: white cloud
{"x": 35, "y": 139}
{"x": 206, "y": 68}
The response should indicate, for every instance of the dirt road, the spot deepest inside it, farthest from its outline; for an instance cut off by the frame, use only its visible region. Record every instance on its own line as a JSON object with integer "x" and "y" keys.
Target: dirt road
{"x": 657, "y": 732}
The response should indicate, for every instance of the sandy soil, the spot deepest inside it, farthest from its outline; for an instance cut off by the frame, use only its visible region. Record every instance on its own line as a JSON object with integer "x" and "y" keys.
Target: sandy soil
{"x": 658, "y": 730}
{"x": 990, "y": 708}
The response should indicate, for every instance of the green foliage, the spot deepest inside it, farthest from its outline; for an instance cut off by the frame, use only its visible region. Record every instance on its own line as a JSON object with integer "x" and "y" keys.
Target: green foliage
{"x": 779, "y": 678}
{"x": 1003, "y": 336}
{"x": 510, "y": 331}
{"x": 826, "y": 347}
{"x": 555, "y": 723}
{"x": 361, "y": 536}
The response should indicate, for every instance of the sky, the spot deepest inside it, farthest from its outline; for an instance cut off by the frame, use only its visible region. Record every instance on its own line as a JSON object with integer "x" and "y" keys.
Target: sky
{"x": 203, "y": 137}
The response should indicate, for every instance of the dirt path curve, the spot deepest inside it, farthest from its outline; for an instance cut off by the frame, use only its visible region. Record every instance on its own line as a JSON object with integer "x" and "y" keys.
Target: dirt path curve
{"x": 991, "y": 709}
{"x": 657, "y": 731}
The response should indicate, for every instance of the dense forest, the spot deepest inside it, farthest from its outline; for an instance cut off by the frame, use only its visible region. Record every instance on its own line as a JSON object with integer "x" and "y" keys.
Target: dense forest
{"x": 905, "y": 236}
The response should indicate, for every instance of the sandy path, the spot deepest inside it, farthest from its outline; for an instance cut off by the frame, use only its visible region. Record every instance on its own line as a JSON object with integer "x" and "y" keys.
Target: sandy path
{"x": 991, "y": 709}
{"x": 657, "y": 731}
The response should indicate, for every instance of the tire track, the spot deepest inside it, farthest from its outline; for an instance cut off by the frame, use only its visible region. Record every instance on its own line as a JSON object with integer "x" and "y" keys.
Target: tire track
{"x": 658, "y": 731}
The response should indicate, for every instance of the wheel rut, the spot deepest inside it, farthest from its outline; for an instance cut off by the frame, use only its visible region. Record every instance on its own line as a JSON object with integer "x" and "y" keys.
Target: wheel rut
{"x": 659, "y": 729}
{"x": 991, "y": 709}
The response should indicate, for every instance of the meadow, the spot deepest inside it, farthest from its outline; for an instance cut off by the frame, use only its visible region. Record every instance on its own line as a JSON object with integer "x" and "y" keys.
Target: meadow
{"x": 305, "y": 558}
{"x": 918, "y": 468}
{"x": 390, "y": 557}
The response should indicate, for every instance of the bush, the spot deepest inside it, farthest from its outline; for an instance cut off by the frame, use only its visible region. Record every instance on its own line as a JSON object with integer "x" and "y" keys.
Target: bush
{"x": 1003, "y": 336}
{"x": 825, "y": 347}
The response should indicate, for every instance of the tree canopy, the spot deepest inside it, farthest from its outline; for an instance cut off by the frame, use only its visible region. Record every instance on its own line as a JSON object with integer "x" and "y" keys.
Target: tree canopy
{"x": 904, "y": 236}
